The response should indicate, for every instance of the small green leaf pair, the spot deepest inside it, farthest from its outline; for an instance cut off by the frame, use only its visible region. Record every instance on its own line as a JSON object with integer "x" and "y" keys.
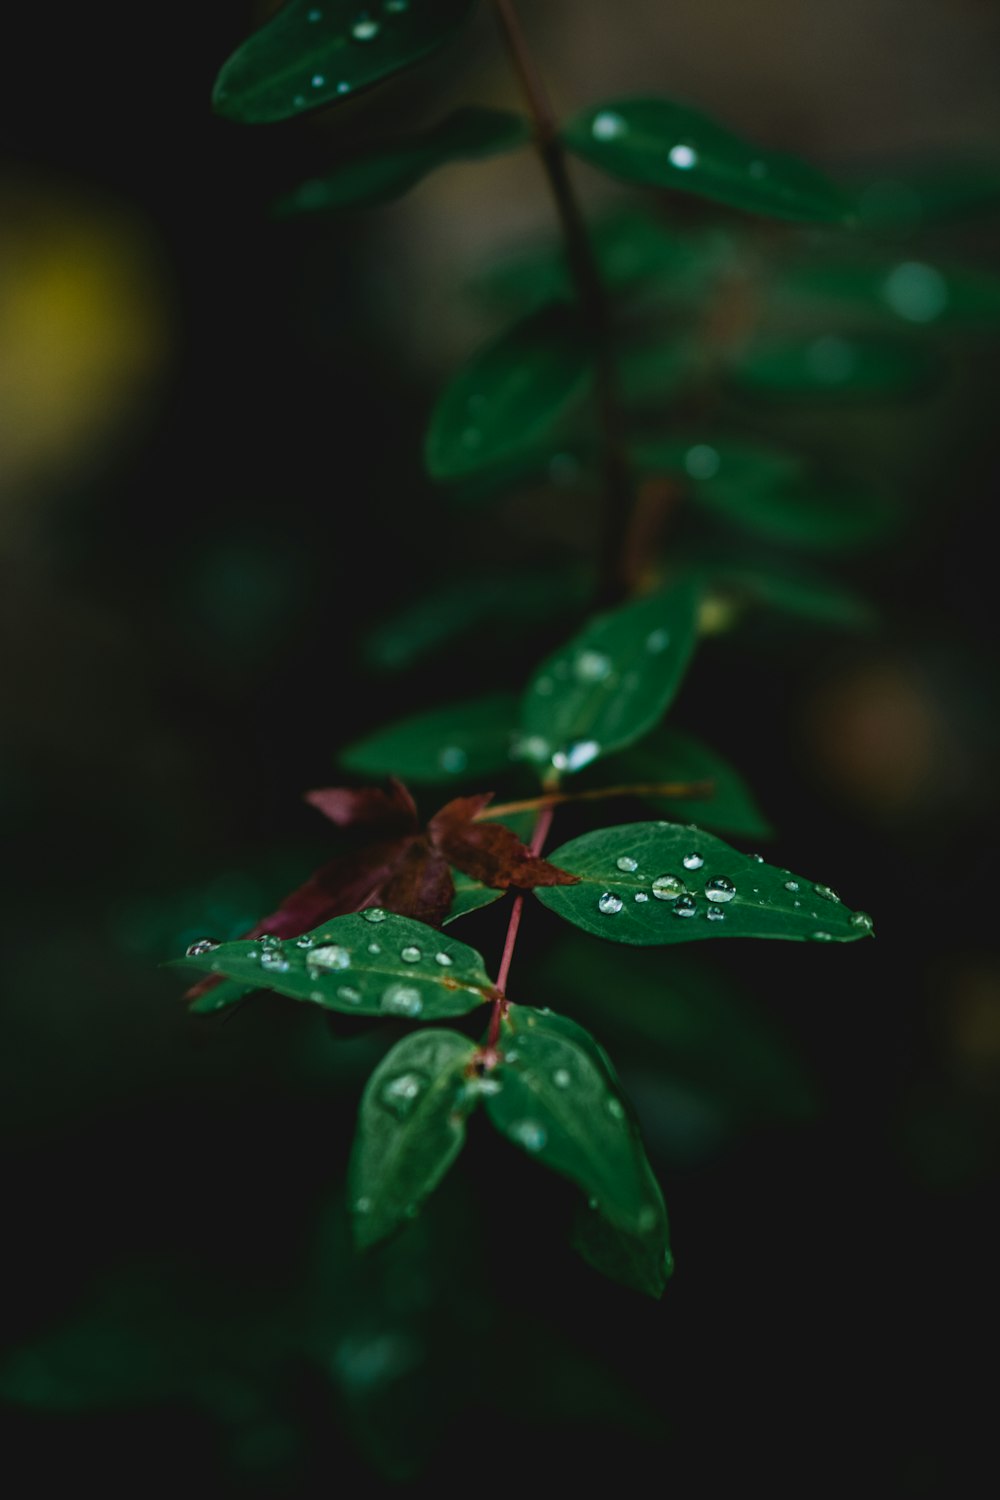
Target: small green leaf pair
{"x": 554, "y": 1094}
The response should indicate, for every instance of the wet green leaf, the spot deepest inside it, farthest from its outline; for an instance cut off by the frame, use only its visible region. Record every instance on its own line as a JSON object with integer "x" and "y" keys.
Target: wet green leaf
{"x": 668, "y": 755}
{"x": 444, "y": 744}
{"x": 503, "y": 401}
{"x": 918, "y": 292}
{"x": 372, "y": 963}
{"x": 835, "y": 367}
{"x": 687, "y": 885}
{"x": 410, "y": 1129}
{"x": 475, "y": 602}
{"x": 661, "y": 144}
{"x": 221, "y": 996}
{"x": 612, "y": 682}
{"x": 559, "y": 1103}
{"x": 639, "y": 1258}
{"x": 310, "y": 54}
{"x": 768, "y": 491}
{"x": 388, "y": 169}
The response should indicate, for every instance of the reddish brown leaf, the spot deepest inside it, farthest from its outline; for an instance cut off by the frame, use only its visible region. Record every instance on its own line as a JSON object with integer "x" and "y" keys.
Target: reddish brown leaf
{"x": 367, "y": 807}
{"x": 421, "y": 885}
{"x": 490, "y": 852}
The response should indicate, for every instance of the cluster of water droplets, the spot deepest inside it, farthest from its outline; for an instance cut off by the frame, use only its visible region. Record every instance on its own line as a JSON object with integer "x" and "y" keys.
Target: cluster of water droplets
{"x": 400, "y": 1093}
{"x": 719, "y": 890}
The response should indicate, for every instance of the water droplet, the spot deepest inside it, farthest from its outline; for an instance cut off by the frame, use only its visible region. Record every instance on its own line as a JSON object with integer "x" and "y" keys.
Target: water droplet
{"x": 402, "y": 1000}
{"x": 758, "y": 859}
{"x": 577, "y": 756}
{"x": 702, "y": 461}
{"x": 684, "y": 157}
{"x": 444, "y": 959}
{"x": 607, "y": 126}
{"x": 362, "y": 1205}
{"x": 657, "y": 640}
{"x": 343, "y": 88}
{"x": 562, "y": 1078}
{"x": 395, "y": 7}
{"x": 830, "y": 359}
{"x": 400, "y": 1094}
{"x": 305, "y": 941}
{"x": 203, "y": 945}
{"x": 592, "y": 666}
{"x": 374, "y": 914}
{"x": 374, "y": 947}
{"x": 693, "y": 861}
{"x": 268, "y": 940}
{"x": 274, "y": 961}
{"x": 791, "y": 885}
{"x": 349, "y": 995}
{"x": 531, "y": 747}
{"x": 453, "y": 758}
{"x": 627, "y": 863}
{"x": 544, "y": 686}
{"x": 365, "y": 29}
{"x": 529, "y": 1134}
{"x": 641, "y": 896}
{"x": 616, "y": 1109}
{"x": 916, "y": 291}
{"x": 826, "y": 893}
{"x": 410, "y": 954}
{"x": 314, "y": 15}
{"x": 299, "y": 101}
{"x": 609, "y": 903}
{"x": 821, "y": 937}
{"x": 685, "y": 907}
{"x": 328, "y": 959}
{"x": 317, "y": 80}
{"x": 720, "y": 888}
{"x": 715, "y": 914}
{"x": 485, "y": 1085}
{"x": 668, "y": 888}
{"x": 862, "y": 921}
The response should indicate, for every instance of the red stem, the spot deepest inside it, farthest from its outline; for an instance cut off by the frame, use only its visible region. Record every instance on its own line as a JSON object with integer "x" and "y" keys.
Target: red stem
{"x": 541, "y": 832}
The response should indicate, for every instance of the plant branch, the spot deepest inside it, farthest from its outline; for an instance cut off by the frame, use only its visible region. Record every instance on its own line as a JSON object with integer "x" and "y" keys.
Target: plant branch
{"x": 541, "y": 832}
{"x": 591, "y": 294}
{"x": 692, "y": 789}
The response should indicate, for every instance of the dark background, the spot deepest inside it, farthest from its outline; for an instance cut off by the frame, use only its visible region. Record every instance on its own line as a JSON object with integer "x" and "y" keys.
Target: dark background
{"x": 210, "y": 486}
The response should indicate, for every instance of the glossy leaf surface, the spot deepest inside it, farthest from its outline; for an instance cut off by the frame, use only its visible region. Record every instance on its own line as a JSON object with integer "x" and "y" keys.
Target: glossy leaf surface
{"x": 372, "y": 963}
{"x": 320, "y": 53}
{"x": 460, "y": 740}
{"x": 559, "y": 1103}
{"x": 661, "y": 144}
{"x": 411, "y": 1126}
{"x": 612, "y": 682}
{"x": 639, "y": 1258}
{"x": 506, "y": 397}
{"x": 388, "y": 169}
{"x": 687, "y": 885}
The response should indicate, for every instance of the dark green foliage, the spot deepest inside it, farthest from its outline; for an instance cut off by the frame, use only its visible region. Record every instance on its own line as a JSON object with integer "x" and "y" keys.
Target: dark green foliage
{"x": 667, "y": 755}
{"x": 444, "y": 744}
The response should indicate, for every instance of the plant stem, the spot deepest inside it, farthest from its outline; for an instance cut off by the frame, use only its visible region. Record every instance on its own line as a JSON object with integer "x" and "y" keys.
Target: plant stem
{"x": 600, "y": 794}
{"x": 541, "y": 832}
{"x": 591, "y": 294}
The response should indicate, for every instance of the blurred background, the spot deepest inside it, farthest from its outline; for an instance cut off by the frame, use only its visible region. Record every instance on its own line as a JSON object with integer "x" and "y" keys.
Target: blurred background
{"x": 211, "y": 492}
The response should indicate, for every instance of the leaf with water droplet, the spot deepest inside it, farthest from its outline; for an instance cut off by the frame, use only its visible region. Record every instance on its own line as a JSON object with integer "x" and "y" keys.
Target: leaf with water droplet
{"x": 411, "y": 1127}
{"x": 308, "y": 54}
{"x": 584, "y": 1129}
{"x": 507, "y": 396}
{"x": 760, "y": 906}
{"x": 459, "y": 741}
{"x": 640, "y": 1257}
{"x": 387, "y": 169}
{"x": 767, "y": 490}
{"x": 916, "y": 292}
{"x": 217, "y": 994}
{"x": 660, "y": 144}
{"x": 613, "y": 681}
{"x": 338, "y": 971}
{"x": 668, "y": 755}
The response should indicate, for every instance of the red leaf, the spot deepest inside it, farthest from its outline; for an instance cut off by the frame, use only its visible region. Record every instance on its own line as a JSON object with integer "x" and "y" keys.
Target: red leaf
{"x": 490, "y": 852}
{"x": 367, "y": 807}
{"x": 421, "y": 885}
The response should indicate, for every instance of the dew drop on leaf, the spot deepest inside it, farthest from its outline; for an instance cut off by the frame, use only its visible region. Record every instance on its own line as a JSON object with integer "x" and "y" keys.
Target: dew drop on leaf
{"x": 444, "y": 959}
{"x": 529, "y": 1134}
{"x": 720, "y": 888}
{"x": 791, "y": 885}
{"x": 374, "y": 914}
{"x": 862, "y": 921}
{"x": 203, "y": 945}
{"x": 684, "y": 157}
{"x": 656, "y": 641}
{"x": 402, "y": 1000}
{"x": 693, "y": 861}
{"x": 641, "y": 896}
{"x": 561, "y": 1078}
{"x": 365, "y": 29}
{"x": 400, "y": 1094}
{"x": 608, "y": 126}
{"x": 627, "y": 863}
{"x": 274, "y": 961}
{"x": 327, "y": 959}
{"x": 685, "y": 907}
{"x": 305, "y": 941}
{"x": 668, "y": 887}
{"x": 609, "y": 903}
{"x": 826, "y": 893}
{"x": 410, "y": 954}
{"x": 374, "y": 947}
{"x": 616, "y": 1109}
{"x": 453, "y": 758}
{"x": 592, "y": 666}
{"x": 821, "y": 937}
{"x": 349, "y": 995}
{"x": 715, "y": 914}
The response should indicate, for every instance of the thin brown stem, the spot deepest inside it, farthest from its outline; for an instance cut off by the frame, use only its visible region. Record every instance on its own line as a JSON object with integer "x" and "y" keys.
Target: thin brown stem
{"x": 541, "y": 832}
{"x": 691, "y": 789}
{"x": 590, "y": 293}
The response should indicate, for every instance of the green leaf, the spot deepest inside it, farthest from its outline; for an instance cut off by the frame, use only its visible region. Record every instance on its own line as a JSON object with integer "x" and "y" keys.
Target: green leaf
{"x": 372, "y": 963}
{"x": 834, "y": 367}
{"x": 638, "y": 1258}
{"x": 460, "y": 740}
{"x": 668, "y": 755}
{"x": 661, "y": 144}
{"x": 936, "y": 193}
{"x": 806, "y": 595}
{"x": 665, "y": 898}
{"x": 321, "y": 53}
{"x": 558, "y": 1101}
{"x": 220, "y": 997}
{"x": 917, "y": 292}
{"x": 508, "y": 395}
{"x": 472, "y": 602}
{"x": 612, "y": 682}
{"x": 388, "y": 169}
{"x": 769, "y": 491}
{"x": 410, "y": 1129}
